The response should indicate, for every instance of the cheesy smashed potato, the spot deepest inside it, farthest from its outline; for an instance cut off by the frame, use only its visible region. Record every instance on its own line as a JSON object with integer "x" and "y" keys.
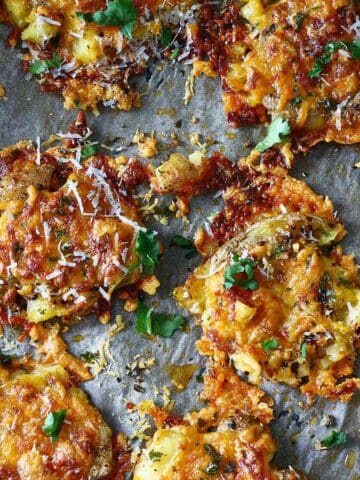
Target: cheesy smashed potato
{"x": 225, "y": 440}
{"x": 276, "y": 292}
{"x": 68, "y": 227}
{"x": 48, "y": 429}
{"x": 87, "y": 50}
{"x": 291, "y": 58}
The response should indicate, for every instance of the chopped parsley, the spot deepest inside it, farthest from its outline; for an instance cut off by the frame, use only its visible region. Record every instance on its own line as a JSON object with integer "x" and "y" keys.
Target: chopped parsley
{"x": 89, "y": 356}
{"x": 186, "y": 244}
{"x": 295, "y": 101}
{"x": 299, "y": 20}
{"x": 53, "y": 423}
{"x": 118, "y": 13}
{"x": 326, "y": 293}
{"x": 329, "y": 49}
{"x": 278, "y": 132}
{"x": 6, "y": 358}
{"x": 303, "y": 350}
{"x": 240, "y": 265}
{"x": 161, "y": 324}
{"x": 147, "y": 246}
{"x": 89, "y": 150}
{"x": 41, "y": 66}
{"x": 165, "y": 37}
{"x": 334, "y": 439}
{"x": 271, "y": 344}
{"x": 278, "y": 250}
{"x": 175, "y": 53}
{"x": 155, "y": 456}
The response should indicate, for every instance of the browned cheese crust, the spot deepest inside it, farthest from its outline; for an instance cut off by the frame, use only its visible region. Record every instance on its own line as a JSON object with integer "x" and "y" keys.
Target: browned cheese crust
{"x": 267, "y": 54}
{"x": 68, "y": 227}
{"x": 95, "y": 61}
{"x": 228, "y": 439}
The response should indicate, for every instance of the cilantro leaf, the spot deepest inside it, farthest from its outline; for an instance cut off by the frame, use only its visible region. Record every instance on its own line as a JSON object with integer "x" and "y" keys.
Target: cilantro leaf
{"x": 186, "y": 244}
{"x": 118, "y": 13}
{"x": 143, "y": 318}
{"x": 329, "y": 49}
{"x": 299, "y": 19}
{"x": 41, "y": 66}
{"x": 147, "y": 246}
{"x": 303, "y": 351}
{"x": 166, "y": 36}
{"x": 89, "y": 356}
{"x": 334, "y": 439}
{"x": 240, "y": 265}
{"x": 271, "y": 344}
{"x": 6, "y": 358}
{"x": 175, "y": 53}
{"x": 161, "y": 324}
{"x": 277, "y": 133}
{"x": 165, "y": 325}
{"x": 155, "y": 456}
{"x": 53, "y": 423}
{"x": 89, "y": 150}
{"x": 295, "y": 101}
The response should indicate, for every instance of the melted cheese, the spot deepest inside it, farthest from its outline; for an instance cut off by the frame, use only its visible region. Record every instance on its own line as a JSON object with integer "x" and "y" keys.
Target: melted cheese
{"x": 62, "y": 246}
{"x": 307, "y": 298}
{"x": 96, "y": 59}
{"x": 27, "y": 396}
{"x": 265, "y": 64}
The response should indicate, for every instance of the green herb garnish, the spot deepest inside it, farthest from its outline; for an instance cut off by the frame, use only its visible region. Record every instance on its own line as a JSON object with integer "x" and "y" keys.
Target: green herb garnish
{"x": 6, "y": 358}
{"x": 326, "y": 292}
{"x": 41, "y": 66}
{"x": 299, "y": 19}
{"x": 215, "y": 456}
{"x": 175, "y": 53}
{"x": 147, "y": 246}
{"x": 334, "y": 439}
{"x": 329, "y": 49}
{"x": 240, "y": 265}
{"x": 186, "y": 244}
{"x": 278, "y": 131}
{"x": 118, "y": 13}
{"x": 155, "y": 456}
{"x": 295, "y": 101}
{"x": 268, "y": 345}
{"x": 161, "y": 324}
{"x": 303, "y": 350}
{"x": 53, "y": 423}
{"x": 278, "y": 250}
{"x": 89, "y": 150}
{"x": 89, "y": 357}
{"x": 166, "y": 36}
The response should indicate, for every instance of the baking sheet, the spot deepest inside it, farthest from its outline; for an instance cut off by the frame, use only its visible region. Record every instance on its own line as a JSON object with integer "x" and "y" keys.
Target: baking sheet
{"x": 329, "y": 169}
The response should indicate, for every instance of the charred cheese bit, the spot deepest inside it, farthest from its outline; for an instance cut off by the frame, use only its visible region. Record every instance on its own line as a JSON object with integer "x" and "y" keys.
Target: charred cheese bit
{"x": 81, "y": 447}
{"x": 265, "y": 53}
{"x": 67, "y": 234}
{"x": 93, "y": 61}
{"x": 238, "y": 446}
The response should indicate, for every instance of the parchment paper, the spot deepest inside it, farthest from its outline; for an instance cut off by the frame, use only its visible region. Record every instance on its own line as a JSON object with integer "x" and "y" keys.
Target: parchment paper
{"x": 329, "y": 169}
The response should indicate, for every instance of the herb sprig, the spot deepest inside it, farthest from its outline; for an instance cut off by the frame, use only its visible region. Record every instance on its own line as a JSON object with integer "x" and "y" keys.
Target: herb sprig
{"x": 161, "y": 324}
{"x": 241, "y": 265}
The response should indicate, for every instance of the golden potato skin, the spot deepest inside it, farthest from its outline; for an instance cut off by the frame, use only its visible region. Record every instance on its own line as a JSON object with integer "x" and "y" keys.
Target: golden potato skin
{"x": 264, "y": 53}
{"x": 29, "y": 391}
{"x": 67, "y": 232}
